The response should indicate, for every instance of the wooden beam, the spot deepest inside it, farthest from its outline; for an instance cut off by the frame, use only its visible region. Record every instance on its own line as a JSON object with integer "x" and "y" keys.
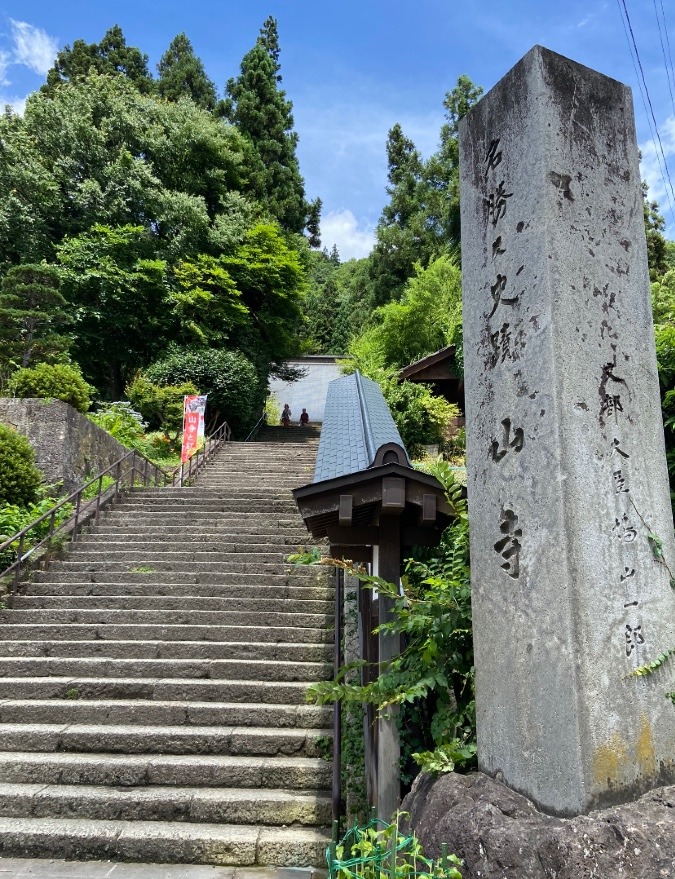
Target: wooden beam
{"x": 361, "y": 554}
{"x": 368, "y": 535}
{"x": 393, "y": 494}
{"x": 345, "y": 510}
{"x": 428, "y": 514}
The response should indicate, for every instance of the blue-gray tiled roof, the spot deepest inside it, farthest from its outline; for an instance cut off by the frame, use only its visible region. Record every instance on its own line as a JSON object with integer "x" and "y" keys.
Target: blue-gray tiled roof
{"x": 357, "y": 422}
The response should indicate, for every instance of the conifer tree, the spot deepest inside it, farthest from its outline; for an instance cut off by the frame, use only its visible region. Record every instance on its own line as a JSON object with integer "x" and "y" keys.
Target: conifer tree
{"x": 32, "y": 315}
{"x": 110, "y": 56}
{"x": 182, "y": 74}
{"x": 261, "y": 112}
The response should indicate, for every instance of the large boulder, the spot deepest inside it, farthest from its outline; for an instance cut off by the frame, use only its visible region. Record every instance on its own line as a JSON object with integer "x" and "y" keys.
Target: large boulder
{"x": 501, "y": 835}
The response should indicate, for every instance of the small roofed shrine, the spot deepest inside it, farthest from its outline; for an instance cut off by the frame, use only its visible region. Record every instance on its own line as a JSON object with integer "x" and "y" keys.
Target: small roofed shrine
{"x": 363, "y": 479}
{"x": 370, "y": 503}
{"x": 438, "y": 370}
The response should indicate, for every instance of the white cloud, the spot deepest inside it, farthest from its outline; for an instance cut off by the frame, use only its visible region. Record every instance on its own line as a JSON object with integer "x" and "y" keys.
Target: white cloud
{"x": 18, "y": 105}
{"x": 342, "y": 228}
{"x": 33, "y": 47}
{"x": 5, "y": 61}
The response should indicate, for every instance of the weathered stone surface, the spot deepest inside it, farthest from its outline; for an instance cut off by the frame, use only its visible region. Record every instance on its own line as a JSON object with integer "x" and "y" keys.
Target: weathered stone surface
{"x": 68, "y": 447}
{"x": 567, "y": 475}
{"x": 499, "y": 833}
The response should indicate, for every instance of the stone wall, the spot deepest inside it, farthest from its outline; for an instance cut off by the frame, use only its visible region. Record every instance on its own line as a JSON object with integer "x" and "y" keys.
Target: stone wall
{"x": 69, "y": 448}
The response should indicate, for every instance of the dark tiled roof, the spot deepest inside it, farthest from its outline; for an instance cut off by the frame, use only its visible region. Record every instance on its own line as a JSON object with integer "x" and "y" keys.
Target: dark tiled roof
{"x": 357, "y": 422}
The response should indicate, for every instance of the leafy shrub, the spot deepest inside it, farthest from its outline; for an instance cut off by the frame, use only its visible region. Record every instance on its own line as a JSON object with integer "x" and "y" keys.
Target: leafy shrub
{"x": 421, "y": 417}
{"x": 19, "y": 477}
{"x": 14, "y": 518}
{"x": 228, "y": 377}
{"x": 160, "y": 405}
{"x": 122, "y": 421}
{"x": 53, "y": 380}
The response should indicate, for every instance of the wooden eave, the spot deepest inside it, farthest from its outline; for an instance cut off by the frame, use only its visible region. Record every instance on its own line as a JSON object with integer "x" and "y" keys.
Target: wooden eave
{"x": 347, "y": 509}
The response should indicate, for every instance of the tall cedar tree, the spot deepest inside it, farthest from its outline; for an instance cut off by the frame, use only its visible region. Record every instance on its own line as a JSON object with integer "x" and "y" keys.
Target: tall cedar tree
{"x": 182, "y": 74}
{"x": 421, "y": 221}
{"x": 259, "y": 109}
{"x": 32, "y": 315}
{"x": 110, "y": 56}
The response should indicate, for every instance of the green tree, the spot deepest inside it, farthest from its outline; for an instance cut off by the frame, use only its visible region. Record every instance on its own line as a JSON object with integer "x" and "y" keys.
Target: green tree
{"x": 260, "y": 110}
{"x": 421, "y": 220}
{"x": 32, "y": 315}
{"x": 182, "y": 75}
{"x": 111, "y": 57}
{"x": 657, "y": 250}
{"x": 117, "y": 287}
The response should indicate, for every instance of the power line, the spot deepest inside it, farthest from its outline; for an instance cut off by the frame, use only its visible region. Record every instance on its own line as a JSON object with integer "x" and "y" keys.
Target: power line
{"x": 667, "y": 57}
{"x": 646, "y": 100}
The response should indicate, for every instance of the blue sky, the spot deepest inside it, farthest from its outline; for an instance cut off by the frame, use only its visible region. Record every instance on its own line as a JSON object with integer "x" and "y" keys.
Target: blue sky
{"x": 353, "y": 69}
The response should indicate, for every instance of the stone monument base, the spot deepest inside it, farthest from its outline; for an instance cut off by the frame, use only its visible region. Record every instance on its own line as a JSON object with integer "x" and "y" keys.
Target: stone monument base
{"x": 501, "y": 835}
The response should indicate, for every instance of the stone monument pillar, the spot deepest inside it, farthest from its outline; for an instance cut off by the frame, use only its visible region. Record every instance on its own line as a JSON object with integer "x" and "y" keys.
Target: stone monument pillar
{"x": 572, "y": 548}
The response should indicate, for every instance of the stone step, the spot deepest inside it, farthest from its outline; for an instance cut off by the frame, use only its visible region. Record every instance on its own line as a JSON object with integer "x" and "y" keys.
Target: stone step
{"x": 165, "y": 602}
{"x": 129, "y": 631}
{"x": 193, "y": 804}
{"x": 179, "y": 650}
{"x": 298, "y": 579}
{"x": 147, "y": 739}
{"x": 261, "y": 507}
{"x": 203, "y": 669}
{"x": 234, "y": 529}
{"x": 251, "y": 619}
{"x": 161, "y": 842}
{"x": 156, "y": 713}
{"x": 245, "y": 591}
{"x": 182, "y": 538}
{"x": 162, "y": 689}
{"x": 139, "y": 770}
{"x": 159, "y": 565}
{"x": 194, "y": 552}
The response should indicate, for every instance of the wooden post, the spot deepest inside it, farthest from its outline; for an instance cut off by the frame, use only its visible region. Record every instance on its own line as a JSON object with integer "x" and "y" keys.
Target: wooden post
{"x": 388, "y": 744}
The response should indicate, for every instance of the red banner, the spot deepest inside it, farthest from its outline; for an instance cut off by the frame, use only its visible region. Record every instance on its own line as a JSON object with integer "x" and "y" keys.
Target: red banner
{"x": 194, "y": 408}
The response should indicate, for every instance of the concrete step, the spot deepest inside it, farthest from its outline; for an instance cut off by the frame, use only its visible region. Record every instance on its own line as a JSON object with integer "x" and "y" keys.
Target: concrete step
{"x": 161, "y": 842}
{"x": 195, "y": 552}
{"x": 203, "y": 669}
{"x": 148, "y": 739}
{"x": 162, "y": 689}
{"x": 245, "y": 591}
{"x": 193, "y": 804}
{"x": 169, "y": 602}
{"x": 299, "y": 578}
{"x": 179, "y": 650}
{"x": 191, "y": 770}
{"x": 262, "y": 506}
{"x": 126, "y": 631}
{"x": 137, "y": 536}
{"x": 286, "y": 531}
{"x": 156, "y": 713}
{"x": 251, "y": 619}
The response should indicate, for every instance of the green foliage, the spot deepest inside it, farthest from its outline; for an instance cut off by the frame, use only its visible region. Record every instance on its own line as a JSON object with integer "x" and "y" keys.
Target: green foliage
{"x": 656, "y": 243}
{"x": 650, "y": 667}
{"x": 228, "y": 377}
{"x": 434, "y": 672}
{"x": 19, "y": 477}
{"x": 53, "y": 380}
{"x": 160, "y": 405}
{"x": 120, "y": 420}
{"x": 14, "y": 517}
{"x": 111, "y": 57}
{"x": 421, "y": 221}
{"x": 259, "y": 109}
{"x": 182, "y": 75}
{"x": 380, "y": 851}
{"x": 32, "y": 314}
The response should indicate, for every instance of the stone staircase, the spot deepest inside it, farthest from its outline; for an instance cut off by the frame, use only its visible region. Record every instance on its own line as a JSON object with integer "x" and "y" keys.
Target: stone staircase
{"x": 152, "y": 682}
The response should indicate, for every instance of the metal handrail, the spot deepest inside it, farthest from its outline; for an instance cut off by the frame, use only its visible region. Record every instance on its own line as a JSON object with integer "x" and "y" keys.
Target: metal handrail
{"x": 256, "y": 427}
{"x": 124, "y": 476}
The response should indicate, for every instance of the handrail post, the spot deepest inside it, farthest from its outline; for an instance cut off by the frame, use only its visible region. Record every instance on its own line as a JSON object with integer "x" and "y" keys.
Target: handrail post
{"x": 17, "y": 569}
{"x": 76, "y": 524}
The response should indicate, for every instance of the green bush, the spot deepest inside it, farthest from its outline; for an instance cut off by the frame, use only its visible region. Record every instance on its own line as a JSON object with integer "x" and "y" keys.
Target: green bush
{"x": 19, "y": 477}
{"x": 123, "y": 422}
{"x": 53, "y": 380}
{"x": 228, "y": 377}
{"x": 160, "y": 405}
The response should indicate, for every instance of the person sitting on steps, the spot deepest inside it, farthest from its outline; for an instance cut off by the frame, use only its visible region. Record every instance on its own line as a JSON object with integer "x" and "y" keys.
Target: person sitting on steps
{"x": 304, "y": 418}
